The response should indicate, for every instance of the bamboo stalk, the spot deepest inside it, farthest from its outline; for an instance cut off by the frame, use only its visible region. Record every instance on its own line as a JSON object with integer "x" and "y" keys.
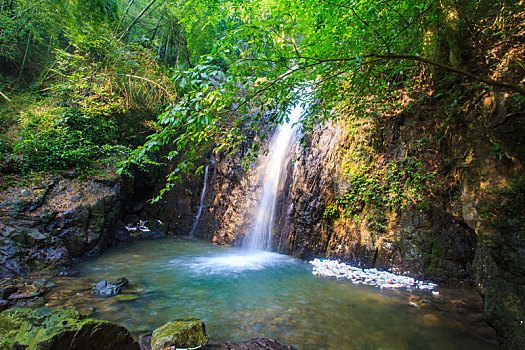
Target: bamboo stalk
{"x": 4, "y": 96}
{"x": 25, "y": 56}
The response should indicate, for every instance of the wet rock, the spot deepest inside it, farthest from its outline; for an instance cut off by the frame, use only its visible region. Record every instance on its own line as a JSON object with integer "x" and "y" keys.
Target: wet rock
{"x": 27, "y": 292}
{"x": 126, "y": 297}
{"x": 4, "y": 304}
{"x": 56, "y": 219}
{"x": 6, "y": 291}
{"x": 182, "y": 333}
{"x": 137, "y": 207}
{"x": 252, "y": 344}
{"x": 41, "y": 329}
{"x": 107, "y": 289}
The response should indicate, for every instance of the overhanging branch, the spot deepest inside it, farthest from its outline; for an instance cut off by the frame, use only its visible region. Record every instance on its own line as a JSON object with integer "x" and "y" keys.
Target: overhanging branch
{"x": 483, "y": 79}
{"x": 391, "y": 56}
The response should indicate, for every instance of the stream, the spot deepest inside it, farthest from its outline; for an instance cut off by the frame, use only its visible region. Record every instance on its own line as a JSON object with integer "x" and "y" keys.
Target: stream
{"x": 241, "y": 296}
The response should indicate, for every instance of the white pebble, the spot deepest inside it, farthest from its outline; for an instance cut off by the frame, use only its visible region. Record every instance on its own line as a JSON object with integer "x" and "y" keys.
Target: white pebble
{"x": 372, "y": 277}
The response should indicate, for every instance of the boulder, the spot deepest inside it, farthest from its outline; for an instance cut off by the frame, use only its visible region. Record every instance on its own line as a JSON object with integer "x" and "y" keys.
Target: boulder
{"x": 107, "y": 289}
{"x": 43, "y": 329}
{"x": 182, "y": 333}
{"x": 48, "y": 222}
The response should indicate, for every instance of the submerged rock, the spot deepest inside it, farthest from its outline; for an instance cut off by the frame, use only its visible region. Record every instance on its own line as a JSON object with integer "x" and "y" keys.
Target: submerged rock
{"x": 6, "y": 291}
{"x": 182, "y": 333}
{"x": 42, "y": 329}
{"x": 126, "y": 297}
{"x": 27, "y": 292}
{"x": 107, "y": 289}
{"x": 252, "y": 344}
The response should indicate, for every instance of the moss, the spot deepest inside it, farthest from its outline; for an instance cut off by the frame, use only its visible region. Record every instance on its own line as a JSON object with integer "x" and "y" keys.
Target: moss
{"x": 126, "y": 297}
{"x": 183, "y": 333}
{"x": 60, "y": 329}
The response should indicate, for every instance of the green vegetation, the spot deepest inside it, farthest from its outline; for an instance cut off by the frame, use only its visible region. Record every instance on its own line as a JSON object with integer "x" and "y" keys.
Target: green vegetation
{"x": 390, "y": 187}
{"x": 360, "y": 57}
{"x": 73, "y": 140}
{"x": 214, "y": 72}
{"x": 78, "y": 95}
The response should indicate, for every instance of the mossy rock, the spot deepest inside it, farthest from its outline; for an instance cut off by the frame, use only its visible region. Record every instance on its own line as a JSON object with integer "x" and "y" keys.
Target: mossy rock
{"x": 44, "y": 329}
{"x": 126, "y": 297}
{"x": 182, "y": 333}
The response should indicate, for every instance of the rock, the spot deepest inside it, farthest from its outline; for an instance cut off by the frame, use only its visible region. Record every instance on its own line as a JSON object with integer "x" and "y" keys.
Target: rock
{"x": 5, "y": 292}
{"x": 34, "y": 236}
{"x": 126, "y": 297}
{"x": 252, "y": 344}
{"x": 137, "y": 207}
{"x": 145, "y": 341}
{"x": 42, "y": 329}
{"x": 120, "y": 233}
{"x": 27, "y": 292}
{"x": 4, "y": 304}
{"x": 107, "y": 289}
{"x": 58, "y": 218}
{"x": 69, "y": 174}
{"x": 18, "y": 296}
{"x": 182, "y": 333}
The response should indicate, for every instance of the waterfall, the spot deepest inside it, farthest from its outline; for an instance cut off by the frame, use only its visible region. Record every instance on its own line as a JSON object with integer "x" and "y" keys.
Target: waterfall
{"x": 260, "y": 234}
{"x": 201, "y": 204}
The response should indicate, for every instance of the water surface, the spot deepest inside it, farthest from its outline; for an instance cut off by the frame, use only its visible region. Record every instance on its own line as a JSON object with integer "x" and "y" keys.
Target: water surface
{"x": 241, "y": 296}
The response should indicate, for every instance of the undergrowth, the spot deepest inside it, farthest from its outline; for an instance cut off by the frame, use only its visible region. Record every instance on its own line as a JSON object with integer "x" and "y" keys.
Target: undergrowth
{"x": 98, "y": 99}
{"x": 390, "y": 187}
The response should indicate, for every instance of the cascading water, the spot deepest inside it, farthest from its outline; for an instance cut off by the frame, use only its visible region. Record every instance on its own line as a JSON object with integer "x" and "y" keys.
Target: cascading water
{"x": 255, "y": 254}
{"x": 260, "y": 234}
{"x": 201, "y": 203}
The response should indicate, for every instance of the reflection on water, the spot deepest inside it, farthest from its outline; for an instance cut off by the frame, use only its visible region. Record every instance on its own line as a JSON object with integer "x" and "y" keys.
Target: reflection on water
{"x": 241, "y": 296}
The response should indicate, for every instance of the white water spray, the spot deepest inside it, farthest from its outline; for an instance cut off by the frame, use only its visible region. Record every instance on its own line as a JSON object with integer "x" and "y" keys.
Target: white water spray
{"x": 260, "y": 234}
{"x": 201, "y": 204}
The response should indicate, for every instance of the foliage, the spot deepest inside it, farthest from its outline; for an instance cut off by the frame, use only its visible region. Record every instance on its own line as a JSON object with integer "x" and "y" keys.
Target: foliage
{"x": 72, "y": 140}
{"x": 240, "y": 65}
{"x": 100, "y": 97}
{"x": 392, "y": 187}
{"x": 30, "y": 30}
{"x": 364, "y": 54}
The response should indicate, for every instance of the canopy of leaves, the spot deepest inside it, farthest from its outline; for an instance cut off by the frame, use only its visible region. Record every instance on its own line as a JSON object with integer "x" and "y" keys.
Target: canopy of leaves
{"x": 325, "y": 54}
{"x": 239, "y": 65}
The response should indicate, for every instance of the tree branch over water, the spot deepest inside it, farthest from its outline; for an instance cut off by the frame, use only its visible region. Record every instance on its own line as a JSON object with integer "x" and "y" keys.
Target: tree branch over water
{"x": 479, "y": 78}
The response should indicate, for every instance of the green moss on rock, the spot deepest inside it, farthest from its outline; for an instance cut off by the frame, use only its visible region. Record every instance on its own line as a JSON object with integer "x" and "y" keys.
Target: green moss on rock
{"x": 182, "y": 333}
{"x": 39, "y": 329}
{"x": 126, "y": 297}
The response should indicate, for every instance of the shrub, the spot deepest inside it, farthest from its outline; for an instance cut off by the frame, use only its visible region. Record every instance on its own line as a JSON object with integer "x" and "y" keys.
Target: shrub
{"x": 74, "y": 140}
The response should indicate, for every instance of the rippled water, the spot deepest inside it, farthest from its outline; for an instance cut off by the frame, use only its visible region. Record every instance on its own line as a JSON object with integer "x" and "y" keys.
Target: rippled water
{"x": 241, "y": 296}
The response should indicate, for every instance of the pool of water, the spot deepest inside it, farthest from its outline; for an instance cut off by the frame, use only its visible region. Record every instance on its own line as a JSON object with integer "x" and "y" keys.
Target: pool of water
{"x": 241, "y": 296}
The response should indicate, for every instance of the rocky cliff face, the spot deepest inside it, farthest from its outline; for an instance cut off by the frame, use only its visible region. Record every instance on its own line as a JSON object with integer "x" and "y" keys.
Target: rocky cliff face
{"x": 470, "y": 228}
{"x": 56, "y": 218}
